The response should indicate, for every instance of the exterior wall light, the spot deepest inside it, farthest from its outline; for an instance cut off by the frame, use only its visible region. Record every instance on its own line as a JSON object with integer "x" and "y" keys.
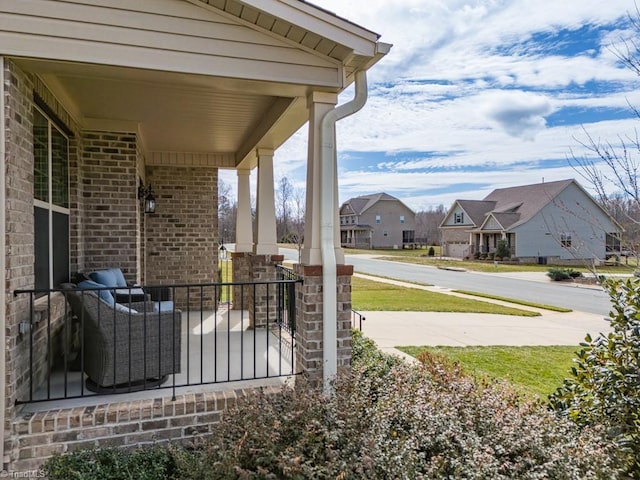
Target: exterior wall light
{"x": 146, "y": 194}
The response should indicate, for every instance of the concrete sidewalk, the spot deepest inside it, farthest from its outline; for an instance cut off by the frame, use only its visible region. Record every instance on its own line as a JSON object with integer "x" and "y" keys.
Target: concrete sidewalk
{"x": 391, "y": 329}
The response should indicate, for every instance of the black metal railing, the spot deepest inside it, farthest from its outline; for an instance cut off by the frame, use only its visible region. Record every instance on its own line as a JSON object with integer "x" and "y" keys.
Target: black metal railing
{"x": 356, "y": 320}
{"x": 73, "y": 344}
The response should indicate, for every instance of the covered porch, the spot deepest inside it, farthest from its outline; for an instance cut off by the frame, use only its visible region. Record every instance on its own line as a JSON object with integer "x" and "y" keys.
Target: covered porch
{"x": 108, "y": 105}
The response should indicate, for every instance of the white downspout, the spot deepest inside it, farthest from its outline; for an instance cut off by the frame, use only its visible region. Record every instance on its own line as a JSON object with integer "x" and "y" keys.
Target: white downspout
{"x": 3, "y": 262}
{"x": 327, "y": 214}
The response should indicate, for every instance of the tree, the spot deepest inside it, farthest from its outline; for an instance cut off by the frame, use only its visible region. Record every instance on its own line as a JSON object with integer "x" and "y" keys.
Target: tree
{"x": 284, "y": 194}
{"x": 611, "y": 169}
{"x": 227, "y": 211}
{"x": 427, "y": 225}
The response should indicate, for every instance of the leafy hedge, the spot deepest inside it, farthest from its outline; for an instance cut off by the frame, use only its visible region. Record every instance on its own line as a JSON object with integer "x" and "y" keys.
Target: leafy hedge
{"x": 390, "y": 419}
{"x": 557, "y": 273}
{"x": 604, "y": 388}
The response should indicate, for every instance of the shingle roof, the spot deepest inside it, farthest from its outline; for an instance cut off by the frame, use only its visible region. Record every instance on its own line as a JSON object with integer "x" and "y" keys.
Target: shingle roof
{"x": 476, "y": 209}
{"x": 526, "y": 200}
{"x": 364, "y": 202}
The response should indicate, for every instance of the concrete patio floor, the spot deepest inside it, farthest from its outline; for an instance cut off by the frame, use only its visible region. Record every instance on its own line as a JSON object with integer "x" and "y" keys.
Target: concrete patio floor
{"x": 219, "y": 351}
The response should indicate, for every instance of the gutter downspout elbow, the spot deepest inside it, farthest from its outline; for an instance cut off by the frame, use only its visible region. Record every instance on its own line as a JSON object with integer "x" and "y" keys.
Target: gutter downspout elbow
{"x": 328, "y": 160}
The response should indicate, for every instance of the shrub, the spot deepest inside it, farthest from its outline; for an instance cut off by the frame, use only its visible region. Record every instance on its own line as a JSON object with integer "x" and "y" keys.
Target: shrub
{"x": 404, "y": 422}
{"x": 557, "y": 273}
{"x": 604, "y": 387}
{"x": 502, "y": 250}
{"x": 148, "y": 463}
{"x": 431, "y": 252}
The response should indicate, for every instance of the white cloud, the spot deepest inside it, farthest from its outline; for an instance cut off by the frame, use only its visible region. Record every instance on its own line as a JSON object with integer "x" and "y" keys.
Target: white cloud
{"x": 520, "y": 114}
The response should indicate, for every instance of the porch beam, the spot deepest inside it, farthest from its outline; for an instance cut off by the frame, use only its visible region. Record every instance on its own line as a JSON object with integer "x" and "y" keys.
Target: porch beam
{"x": 265, "y": 243}
{"x": 244, "y": 228}
{"x": 263, "y": 133}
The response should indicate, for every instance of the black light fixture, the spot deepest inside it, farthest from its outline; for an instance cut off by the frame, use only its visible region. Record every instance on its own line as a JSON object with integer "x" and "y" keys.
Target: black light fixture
{"x": 146, "y": 194}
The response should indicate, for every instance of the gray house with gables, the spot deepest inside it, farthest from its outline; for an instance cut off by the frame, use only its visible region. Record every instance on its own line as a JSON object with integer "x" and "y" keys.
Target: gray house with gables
{"x": 553, "y": 222}
{"x": 376, "y": 221}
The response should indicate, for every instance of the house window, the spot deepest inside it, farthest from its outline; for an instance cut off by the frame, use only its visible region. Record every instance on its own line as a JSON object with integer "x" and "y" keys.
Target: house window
{"x": 565, "y": 239}
{"x": 51, "y": 202}
{"x": 401, "y": 218}
{"x": 458, "y": 217}
{"x": 378, "y": 219}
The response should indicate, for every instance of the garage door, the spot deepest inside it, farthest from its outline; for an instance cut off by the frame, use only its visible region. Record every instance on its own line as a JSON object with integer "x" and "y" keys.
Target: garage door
{"x": 457, "y": 250}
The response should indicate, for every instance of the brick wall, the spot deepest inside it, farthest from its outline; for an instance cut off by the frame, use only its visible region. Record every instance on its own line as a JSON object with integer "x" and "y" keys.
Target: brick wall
{"x": 309, "y": 320}
{"x": 125, "y": 423}
{"x": 241, "y": 273}
{"x": 24, "y": 350}
{"x": 181, "y": 237}
{"x": 261, "y": 300}
{"x": 109, "y": 202}
{"x": 19, "y": 228}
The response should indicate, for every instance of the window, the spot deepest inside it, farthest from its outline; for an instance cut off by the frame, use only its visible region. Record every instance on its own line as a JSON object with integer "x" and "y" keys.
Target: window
{"x": 51, "y": 202}
{"x": 458, "y": 217}
{"x": 401, "y": 218}
{"x": 565, "y": 239}
{"x": 385, "y": 233}
{"x": 378, "y": 219}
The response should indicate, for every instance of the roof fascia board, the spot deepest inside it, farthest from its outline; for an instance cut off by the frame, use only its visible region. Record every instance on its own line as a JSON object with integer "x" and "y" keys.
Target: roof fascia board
{"x": 320, "y": 22}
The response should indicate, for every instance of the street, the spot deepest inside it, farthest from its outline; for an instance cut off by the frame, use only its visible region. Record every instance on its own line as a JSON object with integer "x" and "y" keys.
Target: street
{"x": 566, "y": 295}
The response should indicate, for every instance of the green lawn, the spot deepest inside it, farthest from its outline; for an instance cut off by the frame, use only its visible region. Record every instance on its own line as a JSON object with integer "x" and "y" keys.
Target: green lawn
{"x": 419, "y": 257}
{"x": 532, "y": 370}
{"x": 378, "y": 296}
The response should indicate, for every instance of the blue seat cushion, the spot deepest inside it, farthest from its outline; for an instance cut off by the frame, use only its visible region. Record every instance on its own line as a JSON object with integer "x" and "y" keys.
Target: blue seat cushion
{"x": 113, "y": 277}
{"x": 104, "y": 294}
{"x": 164, "y": 306}
{"x": 120, "y": 281}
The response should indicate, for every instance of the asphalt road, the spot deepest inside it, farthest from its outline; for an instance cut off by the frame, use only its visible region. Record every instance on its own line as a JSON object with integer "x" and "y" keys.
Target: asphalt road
{"x": 551, "y": 293}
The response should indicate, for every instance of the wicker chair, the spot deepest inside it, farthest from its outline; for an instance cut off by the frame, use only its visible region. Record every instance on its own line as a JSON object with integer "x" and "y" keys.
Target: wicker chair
{"x": 126, "y": 351}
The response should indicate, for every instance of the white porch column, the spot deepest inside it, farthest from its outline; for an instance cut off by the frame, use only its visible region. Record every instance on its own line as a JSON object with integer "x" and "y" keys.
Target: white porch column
{"x": 244, "y": 228}
{"x": 319, "y": 104}
{"x": 265, "y": 243}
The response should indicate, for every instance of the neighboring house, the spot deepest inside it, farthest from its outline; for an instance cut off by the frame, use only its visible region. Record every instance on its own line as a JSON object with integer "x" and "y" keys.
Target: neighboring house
{"x": 554, "y": 222}
{"x": 107, "y": 105}
{"x": 376, "y": 221}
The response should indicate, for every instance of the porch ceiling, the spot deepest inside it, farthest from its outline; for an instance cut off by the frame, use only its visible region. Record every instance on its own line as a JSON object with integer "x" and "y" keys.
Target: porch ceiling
{"x": 176, "y": 112}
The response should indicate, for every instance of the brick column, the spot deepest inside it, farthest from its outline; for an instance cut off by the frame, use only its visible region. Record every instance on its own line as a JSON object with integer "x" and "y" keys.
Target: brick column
{"x": 241, "y": 273}
{"x": 181, "y": 236}
{"x": 309, "y": 320}
{"x": 262, "y": 299}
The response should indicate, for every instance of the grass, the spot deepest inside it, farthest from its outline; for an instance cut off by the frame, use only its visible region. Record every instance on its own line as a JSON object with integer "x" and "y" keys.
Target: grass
{"x": 419, "y": 257}
{"x": 535, "y": 371}
{"x": 518, "y": 302}
{"x": 377, "y": 296}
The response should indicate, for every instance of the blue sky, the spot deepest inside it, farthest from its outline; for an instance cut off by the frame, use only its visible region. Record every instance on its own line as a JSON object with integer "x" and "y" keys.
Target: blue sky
{"x": 478, "y": 95}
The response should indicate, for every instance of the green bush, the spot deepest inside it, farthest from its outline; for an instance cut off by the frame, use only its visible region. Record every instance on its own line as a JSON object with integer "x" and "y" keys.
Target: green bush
{"x": 604, "y": 387}
{"x": 387, "y": 419}
{"x": 502, "y": 250}
{"x": 147, "y": 463}
{"x": 557, "y": 273}
{"x": 431, "y": 252}
{"x": 405, "y": 422}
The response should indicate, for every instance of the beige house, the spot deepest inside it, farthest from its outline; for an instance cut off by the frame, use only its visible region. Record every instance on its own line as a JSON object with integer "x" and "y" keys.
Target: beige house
{"x": 376, "y": 221}
{"x": 552, "y": 222}
{"x": 110, "y": 106}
